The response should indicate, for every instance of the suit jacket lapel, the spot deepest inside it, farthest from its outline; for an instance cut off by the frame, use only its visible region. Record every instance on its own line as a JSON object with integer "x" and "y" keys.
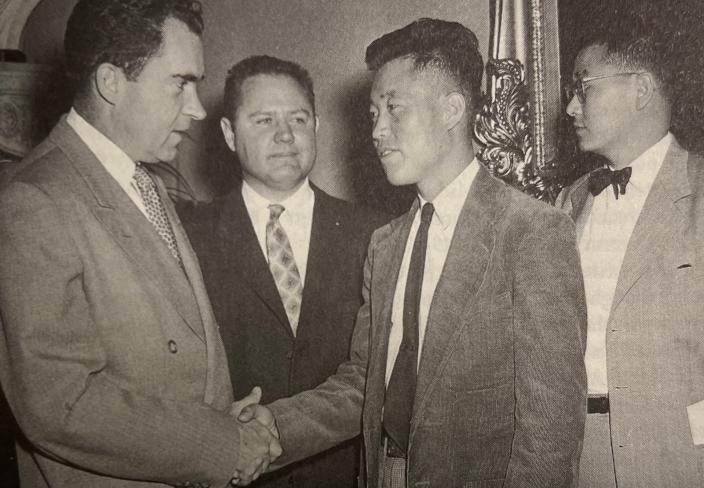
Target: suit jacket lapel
{"x": 235, "y": 227}
{"x": 325, "y": 246}
{"x": 461, "y": 277}
{"x": 129, "y": 227}
{"x": 579, "y": 203}
{"x": 218, "y": 387}
{"x": 387, "y": 257}
{"x": 663, "y": 215}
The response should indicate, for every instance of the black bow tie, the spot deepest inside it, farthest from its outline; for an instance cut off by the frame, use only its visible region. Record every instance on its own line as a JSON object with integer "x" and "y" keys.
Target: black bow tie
{"x": 603, "y": 177}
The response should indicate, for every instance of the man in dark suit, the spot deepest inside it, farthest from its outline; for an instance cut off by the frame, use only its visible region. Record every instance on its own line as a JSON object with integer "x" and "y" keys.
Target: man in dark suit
{"x": 466, "y": 362}
{"x": 110, "y": 356}
{"x": 642, "y": 259}
{"x": 286, "y": 323}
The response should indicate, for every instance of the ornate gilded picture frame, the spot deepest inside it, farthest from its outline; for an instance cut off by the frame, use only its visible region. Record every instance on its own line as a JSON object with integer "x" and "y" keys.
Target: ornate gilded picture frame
{"x": 517, "y": 127}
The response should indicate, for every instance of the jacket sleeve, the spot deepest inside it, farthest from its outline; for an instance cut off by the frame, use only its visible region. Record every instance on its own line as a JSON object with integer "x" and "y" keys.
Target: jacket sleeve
{"x": 57, "y": 375}
{"x": 550, "y": 338}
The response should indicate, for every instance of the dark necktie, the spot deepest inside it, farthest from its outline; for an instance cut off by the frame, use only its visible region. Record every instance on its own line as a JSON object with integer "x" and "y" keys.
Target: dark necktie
{"x": 603, "y": 177}
{"x": 156, "y": 213}
{"x": 398, "y": 404}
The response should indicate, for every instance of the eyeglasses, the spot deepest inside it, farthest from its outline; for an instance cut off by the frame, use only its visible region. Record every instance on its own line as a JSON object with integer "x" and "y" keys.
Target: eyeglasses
{"x": 578, "y": 87}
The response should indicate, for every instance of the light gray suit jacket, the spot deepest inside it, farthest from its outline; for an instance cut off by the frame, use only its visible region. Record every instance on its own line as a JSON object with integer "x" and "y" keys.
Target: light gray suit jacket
{"x": 655, "y": 333}
{"x": 109, "y": 354}
{"x": 500, "y": 398}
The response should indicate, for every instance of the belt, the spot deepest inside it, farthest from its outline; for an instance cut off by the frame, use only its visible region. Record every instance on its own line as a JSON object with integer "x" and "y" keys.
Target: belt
{"x": 598, "y": 404}
{"x": 391, "y": 449}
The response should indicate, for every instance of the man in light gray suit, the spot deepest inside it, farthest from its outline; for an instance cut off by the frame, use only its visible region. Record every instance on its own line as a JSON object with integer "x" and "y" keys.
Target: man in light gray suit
{"x": 640, "y": 224}
{"x": 467, "y": 351}
{"x": 110, "y": 357}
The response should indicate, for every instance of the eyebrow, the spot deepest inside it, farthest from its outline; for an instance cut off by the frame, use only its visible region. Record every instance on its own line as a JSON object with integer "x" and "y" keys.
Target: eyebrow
{"x": 290, "y": 112}
{"x": 385, "y": 96}
{"x": 301, "y": 110}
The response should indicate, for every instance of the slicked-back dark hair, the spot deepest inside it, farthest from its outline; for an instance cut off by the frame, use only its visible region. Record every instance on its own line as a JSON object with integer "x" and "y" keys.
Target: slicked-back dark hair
{"x": 634, "y": 39}
{"x": 262, "y": 65}
{"x": 448, "y": 47}
{"x": 126, "y": 33}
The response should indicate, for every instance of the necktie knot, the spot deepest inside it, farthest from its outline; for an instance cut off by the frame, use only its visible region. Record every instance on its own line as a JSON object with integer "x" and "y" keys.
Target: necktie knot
{"x": 603, "y": 177}
{"x": 142, "y": 179}
{"x": 275, "y": 211}
{"x": 426, "y": 214}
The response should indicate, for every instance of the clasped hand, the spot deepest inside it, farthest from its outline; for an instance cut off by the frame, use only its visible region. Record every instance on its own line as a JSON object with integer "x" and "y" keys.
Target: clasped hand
{"x": 259, "y": 438}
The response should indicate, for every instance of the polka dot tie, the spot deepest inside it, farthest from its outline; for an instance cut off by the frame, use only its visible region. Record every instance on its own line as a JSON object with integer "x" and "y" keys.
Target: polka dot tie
{"x": 156, "y": 213}
{"x": 283, "y": 266}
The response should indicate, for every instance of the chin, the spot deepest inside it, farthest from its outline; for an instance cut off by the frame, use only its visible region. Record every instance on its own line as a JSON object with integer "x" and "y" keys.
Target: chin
{"x": 289, "y": 184}
{"x": 394, "y": 174}
{"x": 167, "y": 155}
{"x": 397, "y": 179}
{"x": 584, "y": 145}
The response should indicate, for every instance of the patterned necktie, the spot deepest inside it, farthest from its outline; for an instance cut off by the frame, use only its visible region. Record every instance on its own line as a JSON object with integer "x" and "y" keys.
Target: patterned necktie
{"x": 156, "y": 213}
{"x": 283, "y": 266}
{"x": 603, "y": 177}
{"x": 398, "y": 404}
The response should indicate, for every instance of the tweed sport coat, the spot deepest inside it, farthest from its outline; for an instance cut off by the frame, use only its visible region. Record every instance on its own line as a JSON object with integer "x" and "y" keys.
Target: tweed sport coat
{"x": 500, "y": 398}
{"x": 655, "y": 332}
{"x": 110, "y": 357}
{"x": 260, "y": 345}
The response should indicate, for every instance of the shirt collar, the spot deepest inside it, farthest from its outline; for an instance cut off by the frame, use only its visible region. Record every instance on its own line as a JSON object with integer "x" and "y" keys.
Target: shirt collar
{"x": 294, "y": 204}
{"x": 646, "y": 166}
{"x": 114, "y": 159}
{"x": 449, "y": 202}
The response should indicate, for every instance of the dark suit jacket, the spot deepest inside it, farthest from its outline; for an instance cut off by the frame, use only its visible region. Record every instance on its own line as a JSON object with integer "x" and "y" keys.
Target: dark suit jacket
{"x": 260, "y": 345}
{"x": 500, "y": 398}
{"x": 109, "y": 354}
{"x": 655, "y": 333}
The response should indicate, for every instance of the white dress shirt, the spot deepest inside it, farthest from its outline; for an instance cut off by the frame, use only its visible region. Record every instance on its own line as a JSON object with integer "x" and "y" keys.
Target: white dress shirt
{"x": 296, "y": 219}
{"x": 116, "y": 162}
{"x": 447, "y": 205}
{"x": 602, "y": 245}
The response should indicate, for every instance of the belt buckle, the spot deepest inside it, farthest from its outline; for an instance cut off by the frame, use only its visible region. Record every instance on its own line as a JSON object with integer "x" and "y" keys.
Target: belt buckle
{"x": 391, "y": 449}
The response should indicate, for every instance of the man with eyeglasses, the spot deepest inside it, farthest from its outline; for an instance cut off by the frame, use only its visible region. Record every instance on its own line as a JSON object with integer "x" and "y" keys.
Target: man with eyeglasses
{"x": 640, "y": 227}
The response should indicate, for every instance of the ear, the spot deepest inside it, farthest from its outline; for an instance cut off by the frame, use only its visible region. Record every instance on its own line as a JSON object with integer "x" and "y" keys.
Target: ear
{"x": 646, "y": 87}
{"x": 109, "y": 80}
{"x": 455, "y": 109}
{"x": 229, "y": 133}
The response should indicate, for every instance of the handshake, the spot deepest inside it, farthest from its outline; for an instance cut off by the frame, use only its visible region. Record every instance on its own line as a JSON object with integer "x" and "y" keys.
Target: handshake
{"x": 259, "y": 438}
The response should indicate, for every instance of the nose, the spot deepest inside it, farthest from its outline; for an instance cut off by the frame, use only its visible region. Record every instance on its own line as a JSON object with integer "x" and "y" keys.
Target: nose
{"x": 574, "y": 107}
{"x": 283, "y": 132}
{"x": 380, "y": 128}
{"x": 193, "y": 107}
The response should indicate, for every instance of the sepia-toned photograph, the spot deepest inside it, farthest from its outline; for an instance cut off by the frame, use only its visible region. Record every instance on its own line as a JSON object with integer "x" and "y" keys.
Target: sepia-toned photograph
{"x": 352, "y": 243}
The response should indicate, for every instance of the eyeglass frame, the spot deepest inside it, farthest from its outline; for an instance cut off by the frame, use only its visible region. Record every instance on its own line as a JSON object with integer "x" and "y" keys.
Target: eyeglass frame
{"x": 576, "y": 87}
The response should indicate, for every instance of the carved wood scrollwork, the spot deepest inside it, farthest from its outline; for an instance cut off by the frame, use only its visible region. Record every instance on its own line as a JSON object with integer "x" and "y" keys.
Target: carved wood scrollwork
{"x": 503, "y": 127}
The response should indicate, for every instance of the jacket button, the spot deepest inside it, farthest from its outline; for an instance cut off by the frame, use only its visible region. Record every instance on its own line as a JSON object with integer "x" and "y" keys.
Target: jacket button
{"x": 289, "y": 355}
{"x": 172, "y": 347}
